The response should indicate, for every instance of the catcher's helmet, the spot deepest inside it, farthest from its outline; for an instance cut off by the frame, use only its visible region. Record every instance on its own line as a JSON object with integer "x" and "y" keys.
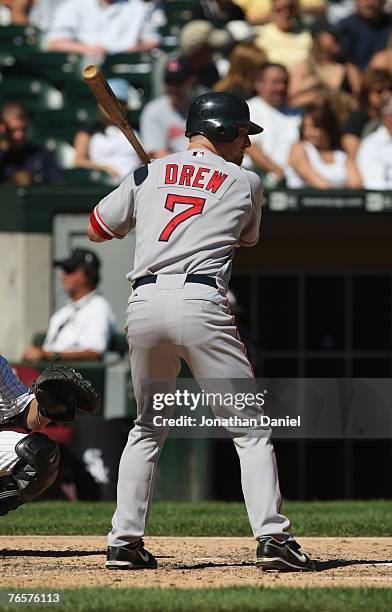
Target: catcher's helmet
{"x": 217, "y": 116}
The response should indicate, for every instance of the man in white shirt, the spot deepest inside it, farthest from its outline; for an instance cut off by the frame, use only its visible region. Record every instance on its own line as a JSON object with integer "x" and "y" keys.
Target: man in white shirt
{"x": 270, "y": 150}
{"x": 102, "y": 145}
{"x": 42, "y": 13}
{"x": 83, "y": 328}
{"x": 98, "y": 27}
{"x": 374, "y": 158}
{"x": 162, "y": 122}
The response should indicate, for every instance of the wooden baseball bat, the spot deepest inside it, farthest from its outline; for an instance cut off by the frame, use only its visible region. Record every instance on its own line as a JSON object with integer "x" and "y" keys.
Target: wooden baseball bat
{"x": 96, "y": 81}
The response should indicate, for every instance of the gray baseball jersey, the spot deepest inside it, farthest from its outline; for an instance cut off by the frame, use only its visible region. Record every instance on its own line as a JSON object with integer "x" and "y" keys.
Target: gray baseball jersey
{"x": 190, "y": 213}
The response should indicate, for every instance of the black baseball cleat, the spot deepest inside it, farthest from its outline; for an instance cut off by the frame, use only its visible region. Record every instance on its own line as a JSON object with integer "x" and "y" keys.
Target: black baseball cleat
{"x": 284, "y": 555}
{"x": 131, "y": 557}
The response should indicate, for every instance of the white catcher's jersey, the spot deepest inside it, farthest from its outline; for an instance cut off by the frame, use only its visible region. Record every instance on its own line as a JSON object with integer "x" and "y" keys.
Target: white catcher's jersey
{"x": 190, "y": 209}
{"x": 14, "y": 395}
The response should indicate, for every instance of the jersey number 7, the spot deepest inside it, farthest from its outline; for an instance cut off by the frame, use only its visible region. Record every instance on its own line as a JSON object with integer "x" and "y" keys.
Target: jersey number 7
{"x": 196, "y": 208}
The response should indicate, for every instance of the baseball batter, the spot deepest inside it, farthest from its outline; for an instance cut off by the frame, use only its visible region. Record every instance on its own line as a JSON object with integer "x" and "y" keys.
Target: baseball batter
{"x": 190, "y": 210}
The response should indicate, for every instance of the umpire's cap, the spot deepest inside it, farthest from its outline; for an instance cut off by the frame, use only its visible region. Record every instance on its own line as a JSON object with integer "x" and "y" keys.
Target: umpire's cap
{"x": 217, "y": 116}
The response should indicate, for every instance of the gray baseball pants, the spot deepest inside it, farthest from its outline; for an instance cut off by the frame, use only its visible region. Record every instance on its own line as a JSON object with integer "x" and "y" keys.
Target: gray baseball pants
{"x": 167, "y": 321}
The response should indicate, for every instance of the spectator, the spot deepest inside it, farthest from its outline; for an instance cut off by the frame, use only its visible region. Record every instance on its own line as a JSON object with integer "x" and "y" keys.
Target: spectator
{"x": 365, "y": 32}
{"x": 5, "y": 12}
{"x": 18, "y": 11}
{"x": 285, "y": 40}
{"x": 198, "y": 41}
{"x": 217, "y": 12}
{"x": 321, "y": 76}
{"x": 374, "y": 157}
{"x": 98, "y": 27}
{"x": 376, "y": 87}
{"x": 269, "y": 108}
{"x": 22, "y": 163}
{"x": 42, "y": 13}
{"x": 259, "y": 11}
{"x": 83, "y": 328}
{"x": 245, "y": 60}
{"x": 102, "y": 146}
{"x": 156, "y": 12}
{"x": 383, "y": 59}
{"x": 317, "y": 160}
{"x": 162, "y": 120}
{"x": 339, "y": 9}
{"x": 38, "y": 13}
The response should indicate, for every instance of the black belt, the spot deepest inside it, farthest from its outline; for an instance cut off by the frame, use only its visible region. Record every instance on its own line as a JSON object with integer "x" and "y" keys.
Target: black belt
{"x": 191, "y": 278}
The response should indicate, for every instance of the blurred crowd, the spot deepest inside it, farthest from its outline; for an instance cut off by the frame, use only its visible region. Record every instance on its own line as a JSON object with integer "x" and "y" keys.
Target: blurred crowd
{"x": 317, "y": 74}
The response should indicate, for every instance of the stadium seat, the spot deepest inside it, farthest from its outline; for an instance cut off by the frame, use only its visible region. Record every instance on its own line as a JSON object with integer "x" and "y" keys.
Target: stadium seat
{"x": 33, "y": 93}
{"x": 136, "y": 68}
{"x": 85, "y": 176}
{"x": 63, "y": 152}
{"x": 78, "y": 96}
{"x": 6, "y": 59}
{"x": 179, "y": 12}
{"x": 57, "y": 68}
{"x": 19, "y": 40}
{"x": 60, "y": 124}
{"x": 169, "y": 35}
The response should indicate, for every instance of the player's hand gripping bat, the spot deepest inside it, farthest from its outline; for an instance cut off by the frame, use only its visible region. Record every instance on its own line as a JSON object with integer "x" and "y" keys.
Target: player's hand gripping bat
{"x": 106, "y": 98}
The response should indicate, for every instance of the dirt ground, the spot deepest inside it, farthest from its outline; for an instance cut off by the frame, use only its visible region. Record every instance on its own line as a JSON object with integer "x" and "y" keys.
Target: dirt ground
{"x": 74, "y": 561}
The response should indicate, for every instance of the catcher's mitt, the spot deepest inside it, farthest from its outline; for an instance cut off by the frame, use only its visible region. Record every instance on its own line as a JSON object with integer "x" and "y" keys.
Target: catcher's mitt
{"x": 60, "y": 391}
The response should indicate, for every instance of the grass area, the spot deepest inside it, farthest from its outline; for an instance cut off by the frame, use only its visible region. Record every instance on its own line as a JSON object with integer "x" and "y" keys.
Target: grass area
{"x": 233, "y": 598}
{"x": 336, "y": 518}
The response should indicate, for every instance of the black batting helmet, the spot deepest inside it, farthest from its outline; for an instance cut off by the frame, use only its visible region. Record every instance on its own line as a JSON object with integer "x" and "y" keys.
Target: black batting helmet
{"x": 217, "y": 116}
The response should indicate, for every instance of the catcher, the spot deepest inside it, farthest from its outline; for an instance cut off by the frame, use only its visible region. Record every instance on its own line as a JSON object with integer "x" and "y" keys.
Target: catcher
{"x": 29, "y": 461}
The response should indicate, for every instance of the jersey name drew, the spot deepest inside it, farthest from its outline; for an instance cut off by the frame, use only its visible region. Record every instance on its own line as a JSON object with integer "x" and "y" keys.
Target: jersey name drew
{"x": 205, "y": 179}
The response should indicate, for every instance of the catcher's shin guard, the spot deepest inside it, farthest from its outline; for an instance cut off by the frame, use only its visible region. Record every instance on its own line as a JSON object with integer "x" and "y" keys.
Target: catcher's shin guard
{"x": 34, "y": 472}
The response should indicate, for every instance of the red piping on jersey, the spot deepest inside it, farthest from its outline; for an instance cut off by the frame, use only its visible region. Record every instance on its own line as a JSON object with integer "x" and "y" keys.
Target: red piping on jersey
{"x": 104, "y": 226}
{"x": 98, "y": 229}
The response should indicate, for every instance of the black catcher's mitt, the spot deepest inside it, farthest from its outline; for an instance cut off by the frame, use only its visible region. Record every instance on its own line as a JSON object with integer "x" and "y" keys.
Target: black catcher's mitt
{"x": 60, "y": 391}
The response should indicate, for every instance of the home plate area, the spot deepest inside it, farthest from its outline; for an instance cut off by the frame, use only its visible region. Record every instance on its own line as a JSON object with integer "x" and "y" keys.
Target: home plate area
{"x": 190, "y": 562}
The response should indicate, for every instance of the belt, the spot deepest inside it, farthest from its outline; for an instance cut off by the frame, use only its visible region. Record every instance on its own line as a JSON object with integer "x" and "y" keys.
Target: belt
{"x": 191, "y": 278}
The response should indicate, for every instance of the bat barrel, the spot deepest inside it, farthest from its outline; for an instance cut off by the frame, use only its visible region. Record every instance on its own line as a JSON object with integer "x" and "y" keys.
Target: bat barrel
{"x": 91, "y": 72}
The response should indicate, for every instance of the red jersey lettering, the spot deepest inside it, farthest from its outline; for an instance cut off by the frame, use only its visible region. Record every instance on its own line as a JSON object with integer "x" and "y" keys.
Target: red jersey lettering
{"x": 186, "y": 175}
{"x": 216, "y": 181}
{"x": 196, "y": 208}
{"x": 200, "y": 177}
{"x": 171, "y": 174}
